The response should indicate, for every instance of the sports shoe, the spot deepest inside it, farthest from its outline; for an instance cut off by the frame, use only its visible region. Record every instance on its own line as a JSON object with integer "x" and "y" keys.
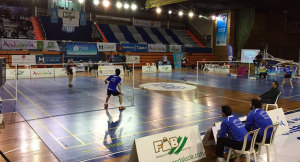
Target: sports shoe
{"x": 292, "y": 86}
{"x": 105, "y": 106}
{"x": 121, "y": 108}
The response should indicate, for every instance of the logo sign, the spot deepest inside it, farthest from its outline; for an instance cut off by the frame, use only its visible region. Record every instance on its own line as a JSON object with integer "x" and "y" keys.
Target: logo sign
{"x": 157, "y": 48}
{"x": 54, "y": 15}
{"x": 13, "y": 44}
{"x": 221, "y": 35}
{"x": 133, "y": 58}
{"x": 149, "y": 69}
{"x": 174, "y": 48}
{"x": 23, "y": 60}
{"x": 49, "y": 59}
{"x": 42, "y": 73}
{"x": 165, "y": 68}
{"x": 183, "y": 144}
{"x": 141, "y": 47}
{"x": 147, "y": 23}
{"x": 81, "y": 48}
{"x": 109, "y": 47}
{"x": 128, "y": 47}
{"x": 278, "y": 117}
{"x": 166, "y": 86}
{"x": 109, "y": 70}
{"x": 177, "y": 59}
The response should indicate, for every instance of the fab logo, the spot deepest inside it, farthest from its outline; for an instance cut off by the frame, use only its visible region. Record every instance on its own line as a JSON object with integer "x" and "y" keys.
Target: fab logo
{"x": 172, "y": 145}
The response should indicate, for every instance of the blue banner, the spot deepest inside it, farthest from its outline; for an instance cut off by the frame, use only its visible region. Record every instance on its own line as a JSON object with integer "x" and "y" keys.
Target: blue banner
{"x": 49, "y": 59}
{"x": 68, "y": 29}
{"x": 54, "y": 15}
{"x": 81, "y": 49}
{"x": 230, "y": 52}
{"x": 221, "y": 34}
{"x": 128, "y": 47}
{"x": 177, "y": 59}
{"x": 82, "y": 20}
{"x": 141, "y": 47}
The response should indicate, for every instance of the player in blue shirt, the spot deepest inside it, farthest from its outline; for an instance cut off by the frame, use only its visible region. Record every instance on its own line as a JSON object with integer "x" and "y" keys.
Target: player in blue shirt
{"x": 258, "y": 118}
{"x": 287, "y": 74}
{"x": 114, "y": 82}
{"x": 232, "y": 133}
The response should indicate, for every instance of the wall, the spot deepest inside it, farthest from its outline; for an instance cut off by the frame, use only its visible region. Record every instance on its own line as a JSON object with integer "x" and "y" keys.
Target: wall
{"x": 203, "y": 26}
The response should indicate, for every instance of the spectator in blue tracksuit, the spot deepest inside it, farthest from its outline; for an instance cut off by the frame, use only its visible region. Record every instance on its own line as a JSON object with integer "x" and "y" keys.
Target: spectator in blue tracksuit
{"x": 232, "y": 133}
{"x": 258, "y": 118}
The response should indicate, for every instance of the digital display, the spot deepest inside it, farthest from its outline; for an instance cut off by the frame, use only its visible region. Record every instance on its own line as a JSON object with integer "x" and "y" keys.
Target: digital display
{"x": 248, "y": 55}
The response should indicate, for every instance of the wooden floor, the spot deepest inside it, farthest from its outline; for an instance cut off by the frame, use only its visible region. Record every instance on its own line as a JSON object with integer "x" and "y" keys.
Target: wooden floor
{"x": 20, "y": 143}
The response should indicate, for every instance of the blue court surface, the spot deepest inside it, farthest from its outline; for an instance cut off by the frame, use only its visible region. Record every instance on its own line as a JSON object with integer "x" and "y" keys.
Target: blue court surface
{"x": 74, "y": 125}
{"x": 258, "y": 86}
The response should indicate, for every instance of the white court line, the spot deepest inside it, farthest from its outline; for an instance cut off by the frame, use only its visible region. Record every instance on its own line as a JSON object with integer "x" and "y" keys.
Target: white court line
{"x": 105, "y": 155}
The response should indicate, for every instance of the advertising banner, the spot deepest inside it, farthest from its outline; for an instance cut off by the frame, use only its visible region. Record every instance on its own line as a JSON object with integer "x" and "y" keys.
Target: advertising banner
{"x": 69, "y": 14}
{"x": 131, "y": 58}
{"x": 157, "y": 48}
{"x": 106, "y": 47}
{"x": 149, "y": 69}
{"x": 81, "y": 49}
{"x": 278, "y": 117}
{"x": 68, "y": 29}
{"x": 10, "y": 73}
{"x": 18, "y": 44}
{"x": 23, "y": 60}
{"x": 174, "y": 48}
{"x": 54, "y": 15}
{"x": 141, "y": 47}
{"x": 177, "y": 59}
{"x": 82, "y": 18}
{"x": 128, "y": 47}
{"x": 24, "y": 73}
{"x": 42, "y": 73}
{"x": 165, "y": 68}
{"x": 147, "y": 23}
{"x": 70, "y": 22}
{"x": 221, "y": 35}
{"x": 49, "y": 59}
{"x": 230, "y": 52}
{"x": 60, "y": 72}
{"x": 50, "y": 45}
{"x": 109, "y": 70}
{"x": 179, "y": 145}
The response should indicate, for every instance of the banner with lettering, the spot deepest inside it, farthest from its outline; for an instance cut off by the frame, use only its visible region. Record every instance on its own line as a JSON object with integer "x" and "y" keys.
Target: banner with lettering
{"x": 174, "y": 48}
{"x": 128, "y": 47}
{"x": 70, "y": 22}
{"x": 157, "y": 48}
{"x": 106, "y": 47}
{"x": 49, "y": 59}
{"x": 147, "y": 23}
{"x": 82, "y": 19}
{"x": 17, "y": 44}
{"x": 23, "y": 60}
{"x": 221, "y": 33}
{"x": 54, "y": 15}
{"x": 141, "y": 47}
{"x": 81, "y": 49}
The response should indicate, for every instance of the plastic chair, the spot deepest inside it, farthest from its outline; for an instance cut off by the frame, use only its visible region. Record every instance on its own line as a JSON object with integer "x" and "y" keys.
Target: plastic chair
{"x": 243, "y": 150}
{"x": 275, "y": 104}
{"x": 268, "y": 145}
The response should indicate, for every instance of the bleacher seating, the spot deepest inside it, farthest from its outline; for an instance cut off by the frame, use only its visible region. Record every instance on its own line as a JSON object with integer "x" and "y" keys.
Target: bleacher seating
{"x": 144, "y": 34}
{"x": 53, "y": 31}
{"x": 18, "y": 27}
{"x": 159, "y": 35}
{"x": 110, "y": 36}
{"x": 127, "y": 34}
{"x": 175, "y": 38}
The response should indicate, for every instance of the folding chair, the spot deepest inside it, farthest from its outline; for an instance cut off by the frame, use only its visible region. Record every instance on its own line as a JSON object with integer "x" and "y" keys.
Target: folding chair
{"x": 275, "y": 104}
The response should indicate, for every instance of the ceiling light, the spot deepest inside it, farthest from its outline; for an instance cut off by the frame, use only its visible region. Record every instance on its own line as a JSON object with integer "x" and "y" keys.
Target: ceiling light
{"x": 180, "y": 13}
{"x": 96, "y": 2}
{"x": 158, "y": 10}
{"x": 213, "y": 17}
{"x": 126, "y": 5}
{"x": 191, "y": 14}
{"x": 81, "y": 1}
{"x": 106, "y": 3}
{"x": 170, "y": 12}
{"x": 119, "y": 4}
{"x": 133, "y": 6}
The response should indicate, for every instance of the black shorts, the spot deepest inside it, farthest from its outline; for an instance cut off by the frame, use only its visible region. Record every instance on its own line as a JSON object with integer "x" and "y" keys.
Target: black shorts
{"x": 114, "y": 93}
{"x": 183, "y": 65}
{"x": 70, "y": 72}
{"x": 287, "y": 76}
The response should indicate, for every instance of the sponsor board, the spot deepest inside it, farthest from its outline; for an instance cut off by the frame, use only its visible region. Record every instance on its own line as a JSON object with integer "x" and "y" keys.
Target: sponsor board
{"x": 278, "y": 117}
{"x": 50, "y": 45}
{"x": 109, "y": 70}
{"x": 166, "y": 86}
{"x": 174, "y": 146}
{"x": 165, "y": 68}
{"x": 49, "y": 59}
{"x": 15, "y": 44}
{"x": 109, "y": 47}
{"x": 128, "y": 47}
{"x": 70, "y": 22}
{"x": 26, "y": 73}
{"x": 174, "y": 48}
{"x": 42, "y": 73}
{"x": 157, "y": 48}
{"x": 141, "y": 47}
{"x": 147, "y": 23}
{"x": 23, "y": 60}
{"x": 132, "y": 58}
{"x": 149, "y": 69}
{"x": 81, "y": 48}
{"x": 221, "y": 33}
{"x": 61, "y": 72}
{"x": 177, "y": 59}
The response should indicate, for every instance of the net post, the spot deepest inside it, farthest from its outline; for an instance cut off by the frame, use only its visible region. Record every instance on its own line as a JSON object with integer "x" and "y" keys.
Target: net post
{"x": 197, "y": 72}
{"x": 249, "y": 70}
{"x": 17, "y": 70}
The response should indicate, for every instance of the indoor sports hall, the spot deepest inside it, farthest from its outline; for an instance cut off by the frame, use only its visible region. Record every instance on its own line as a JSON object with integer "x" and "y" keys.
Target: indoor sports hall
{"x": 126, "y": 81}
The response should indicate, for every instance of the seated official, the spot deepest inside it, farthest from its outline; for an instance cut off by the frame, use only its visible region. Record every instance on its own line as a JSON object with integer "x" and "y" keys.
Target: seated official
{"x": 258, "y": 118}
{"x": 270, "y": 96}
{"x": 232, "y": 133}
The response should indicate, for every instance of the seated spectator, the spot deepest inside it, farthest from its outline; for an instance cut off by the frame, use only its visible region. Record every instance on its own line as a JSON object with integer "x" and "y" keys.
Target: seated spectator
{"x": 262, "y": 70}
{"x": 258, "y": 118}
{"x": 165, "y": 60}
{"x": 232, "y": 133}
{"x": 270, "y": 96}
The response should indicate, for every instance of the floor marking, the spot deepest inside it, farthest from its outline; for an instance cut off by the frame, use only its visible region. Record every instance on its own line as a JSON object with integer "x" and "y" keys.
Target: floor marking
{"x": 105, "y": 155}
{"x": 190, "y": 122}
{"x": 40, "y": 123}
{"x": 48, "y": 115}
